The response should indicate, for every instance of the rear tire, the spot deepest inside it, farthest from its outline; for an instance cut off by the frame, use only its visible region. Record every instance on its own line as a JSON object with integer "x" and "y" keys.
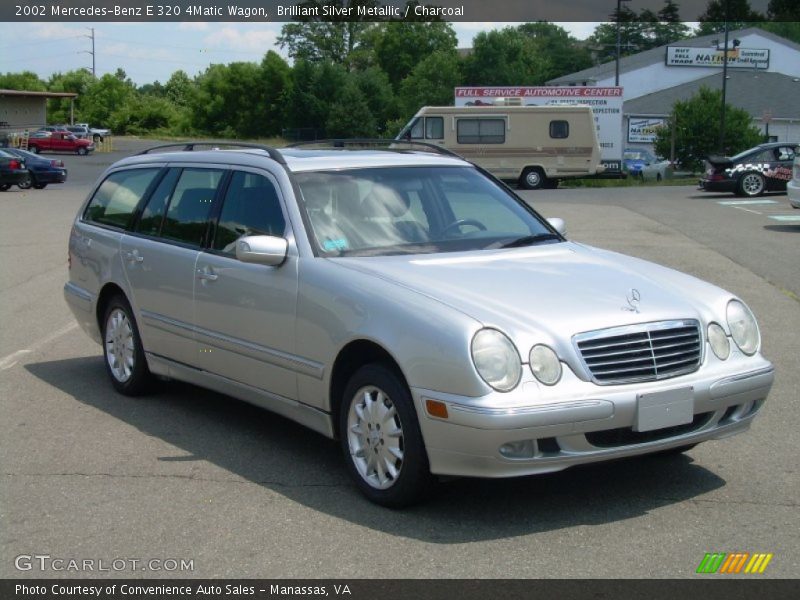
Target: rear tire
{"x": 381, "y": 439}
{"x": 532, "y": 178}
{"x": 751, "y": 184}
{"x": 26, "y": 182}
{"x": 122, "y": 349}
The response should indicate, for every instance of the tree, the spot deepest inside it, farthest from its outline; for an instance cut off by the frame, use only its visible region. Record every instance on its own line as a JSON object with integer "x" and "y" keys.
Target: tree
{"x": 398, "y": 46}
{"x": 179, "y": 88}
{"x": 697, "y": 129}
{"x": 326, "y": 38}
{"x": 25, "y": 80}
{"x": 431, "y": 83}
{"x": 739, "y": 15}
{"x": 349, "y": 115}
{"x": 78, "y": 82}
{"x": 275, "y": 81}
{"x": 505, "y": 57}
{"x": 565, "y": 54}
{"x": 378, "y": 93}
{"x": 103, "y": 97}
{"x": 228, "y": 99}
{"x": 144, "y": 113}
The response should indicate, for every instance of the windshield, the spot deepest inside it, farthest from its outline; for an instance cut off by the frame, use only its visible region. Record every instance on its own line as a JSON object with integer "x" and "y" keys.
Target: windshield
{"x": 415, "y": 210}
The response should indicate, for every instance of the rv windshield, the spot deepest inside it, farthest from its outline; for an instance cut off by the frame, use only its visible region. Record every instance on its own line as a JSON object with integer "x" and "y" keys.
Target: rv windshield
{"x": 415, "y": 210}
{"x": 412, "y": 130}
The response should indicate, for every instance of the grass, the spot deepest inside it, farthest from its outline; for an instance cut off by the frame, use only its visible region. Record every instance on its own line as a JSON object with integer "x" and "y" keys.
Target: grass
{"x": 629, "y": 182}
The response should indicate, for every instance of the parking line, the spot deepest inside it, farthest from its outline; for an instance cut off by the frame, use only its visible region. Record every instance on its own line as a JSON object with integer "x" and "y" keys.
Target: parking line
{"x": 745, "y": 202}
{"x": 9, "y": 361}
{"x": 791, "y": 218}
{"x": 755, "y": 212}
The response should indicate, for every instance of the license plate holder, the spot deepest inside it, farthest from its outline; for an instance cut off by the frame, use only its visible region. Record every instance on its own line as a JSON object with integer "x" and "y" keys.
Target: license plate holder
{"x": 658, "y": 410}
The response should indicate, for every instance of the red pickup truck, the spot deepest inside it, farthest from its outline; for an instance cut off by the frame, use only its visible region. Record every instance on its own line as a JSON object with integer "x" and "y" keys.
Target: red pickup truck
{"x": 58, "y": 141}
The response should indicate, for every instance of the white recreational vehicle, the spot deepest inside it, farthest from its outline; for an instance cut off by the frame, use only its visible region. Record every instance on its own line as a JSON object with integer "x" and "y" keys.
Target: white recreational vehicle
{"x": 532, "y": 145}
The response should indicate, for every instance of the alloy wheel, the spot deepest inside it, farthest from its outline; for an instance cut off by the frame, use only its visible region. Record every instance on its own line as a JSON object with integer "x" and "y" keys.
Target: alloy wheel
{"x": 119, "y": 345}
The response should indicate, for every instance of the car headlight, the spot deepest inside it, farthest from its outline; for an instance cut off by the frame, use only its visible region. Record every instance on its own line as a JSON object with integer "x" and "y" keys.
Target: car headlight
{"x": 496, "y": 360}
{"x": 545, "y": 365}
{"x": 743, "y": 327}
{"x": 719, "y": 341}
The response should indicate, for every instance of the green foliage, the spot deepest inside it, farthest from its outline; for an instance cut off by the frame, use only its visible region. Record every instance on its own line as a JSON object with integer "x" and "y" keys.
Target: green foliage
{"x": 78, "y": 81}
{"x": 739, "y": 15}
{"x": 398, "y": 47}
{"x": 26, "y": 80}
{"x": 506, "y": 57}
{"x": 565, "y": 54}
{"x": 103, "y": 97}
{"x": 697, "y": 122}
{"x": 349, "y": 115}
{"x": 638, "y": 32}
{"x": 227, "y": 101}
{"x": 143, "y": 114}
{"x": 431, "y": 83}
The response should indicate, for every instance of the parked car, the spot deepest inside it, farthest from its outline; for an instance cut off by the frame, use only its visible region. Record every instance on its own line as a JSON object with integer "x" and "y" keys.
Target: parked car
{"x": 765, "y": 168}
{"x": 642, "y": 164}
{"x": 98, "y": 134}
{"x": 793, "y": 187}
{"x": 79, "y": 131}
{"x": 58, "y": 141}
{"x": 408, "y": 304}
{"x": 12, "y": 170}
{"x": 42, "y": 171}
{"x": 52, "y": 128}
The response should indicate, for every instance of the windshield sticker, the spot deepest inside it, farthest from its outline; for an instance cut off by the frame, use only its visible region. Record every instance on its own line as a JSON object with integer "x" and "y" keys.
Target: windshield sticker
{"x": 339, "y": 244}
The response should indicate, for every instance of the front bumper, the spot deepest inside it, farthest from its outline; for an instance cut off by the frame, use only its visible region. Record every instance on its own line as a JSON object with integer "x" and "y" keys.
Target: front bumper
{"x": 793, "y": 191}
{"x": 590, "y": 424}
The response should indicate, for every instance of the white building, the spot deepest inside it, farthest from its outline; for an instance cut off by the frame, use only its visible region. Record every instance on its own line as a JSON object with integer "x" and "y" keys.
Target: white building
{"x": 763, "y": 79}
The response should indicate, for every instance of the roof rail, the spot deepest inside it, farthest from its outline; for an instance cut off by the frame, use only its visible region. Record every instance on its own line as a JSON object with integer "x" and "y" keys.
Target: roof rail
{"x": 274, "y": 154}
{"x": 343, "y": 142}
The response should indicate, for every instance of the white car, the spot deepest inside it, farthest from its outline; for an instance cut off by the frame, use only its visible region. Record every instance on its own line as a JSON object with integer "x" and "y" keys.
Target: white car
{"x": 793, "y": 187}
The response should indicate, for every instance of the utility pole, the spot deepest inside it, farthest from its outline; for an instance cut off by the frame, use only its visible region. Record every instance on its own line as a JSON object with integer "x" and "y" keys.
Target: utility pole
{"x": 619, "y": 40}
{"x": 91, "y": 37}
{"x": 724, "y": 84}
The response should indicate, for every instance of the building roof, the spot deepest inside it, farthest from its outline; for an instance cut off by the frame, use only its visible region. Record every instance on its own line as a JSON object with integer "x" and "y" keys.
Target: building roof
{"x": 656, "y": 56}
{"x": 745, "y": 89}
{"x": 38, "y": 94}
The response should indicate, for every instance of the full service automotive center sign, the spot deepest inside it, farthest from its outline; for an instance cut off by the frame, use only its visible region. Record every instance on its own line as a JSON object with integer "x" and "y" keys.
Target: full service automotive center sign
{"x": 606, "y": 103}
{"x": 740, "y": 58}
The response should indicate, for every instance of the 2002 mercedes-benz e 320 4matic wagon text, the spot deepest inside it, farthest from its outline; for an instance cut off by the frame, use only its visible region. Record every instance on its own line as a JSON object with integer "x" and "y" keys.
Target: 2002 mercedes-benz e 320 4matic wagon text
{"x": 405, "y": 302}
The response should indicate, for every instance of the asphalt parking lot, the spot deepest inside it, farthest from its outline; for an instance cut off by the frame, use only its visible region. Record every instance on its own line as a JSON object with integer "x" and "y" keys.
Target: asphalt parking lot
{"x": 190, "y": 474}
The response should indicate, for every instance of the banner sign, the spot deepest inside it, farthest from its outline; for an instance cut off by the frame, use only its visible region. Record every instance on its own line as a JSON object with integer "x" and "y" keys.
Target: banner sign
{"x": 606, "y": 104}
{"x": 739, "y": 58}
{"x": 642, "y": 130}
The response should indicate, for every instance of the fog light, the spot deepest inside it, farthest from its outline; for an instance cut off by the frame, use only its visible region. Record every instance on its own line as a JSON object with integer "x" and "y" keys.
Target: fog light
{"x": 522, "y": 449}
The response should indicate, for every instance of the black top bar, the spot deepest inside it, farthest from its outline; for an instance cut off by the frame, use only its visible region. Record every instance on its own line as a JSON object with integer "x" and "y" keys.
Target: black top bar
{"x": 343, "y": 142}
{"x": 274, "y": 154}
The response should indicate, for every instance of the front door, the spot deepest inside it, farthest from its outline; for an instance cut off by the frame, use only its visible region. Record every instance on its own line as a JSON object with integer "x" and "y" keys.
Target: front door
{"x": 245, "y": 313}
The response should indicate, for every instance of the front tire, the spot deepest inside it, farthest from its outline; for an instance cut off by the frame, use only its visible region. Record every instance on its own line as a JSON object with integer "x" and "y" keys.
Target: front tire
{"x": 751, "y": 185}
{"x": 81, "y": 151}
{"x": 381, "y": 439}
{"x": 4, "y": 187}
{"x": 122, "y": 349}
{"x": 34, "y": 149}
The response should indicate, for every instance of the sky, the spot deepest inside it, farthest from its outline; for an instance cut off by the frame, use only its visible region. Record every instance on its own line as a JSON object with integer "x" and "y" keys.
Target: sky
{"x": 153, "y": 51}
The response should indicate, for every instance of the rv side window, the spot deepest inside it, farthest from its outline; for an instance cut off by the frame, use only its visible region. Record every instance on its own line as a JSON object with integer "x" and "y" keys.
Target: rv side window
{"x": 434, "y": 128}
{"x": 481, "y": 131}
{"x": 559, "y": 129}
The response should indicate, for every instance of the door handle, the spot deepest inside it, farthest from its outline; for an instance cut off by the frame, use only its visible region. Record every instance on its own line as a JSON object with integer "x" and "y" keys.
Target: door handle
{"x": 134, "y": 256}
{"x": 205, "y": 275}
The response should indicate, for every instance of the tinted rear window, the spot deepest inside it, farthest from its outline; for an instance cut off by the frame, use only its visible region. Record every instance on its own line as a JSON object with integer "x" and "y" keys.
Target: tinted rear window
{"x": 115, "y": 200}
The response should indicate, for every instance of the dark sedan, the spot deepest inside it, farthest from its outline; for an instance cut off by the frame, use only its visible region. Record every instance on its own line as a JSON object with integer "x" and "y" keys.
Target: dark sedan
{"x": 42, "y": 171}
{"x": 765, "y": 168}
{"x": 12, "y": 170}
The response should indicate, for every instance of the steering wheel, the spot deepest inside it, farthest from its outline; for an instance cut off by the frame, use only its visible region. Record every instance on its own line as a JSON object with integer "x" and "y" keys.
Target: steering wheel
{"x": 461, "y": 223}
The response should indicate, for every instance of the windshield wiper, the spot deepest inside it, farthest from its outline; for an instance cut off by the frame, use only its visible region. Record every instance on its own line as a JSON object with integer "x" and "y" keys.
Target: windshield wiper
{"x": 530, "y": 240}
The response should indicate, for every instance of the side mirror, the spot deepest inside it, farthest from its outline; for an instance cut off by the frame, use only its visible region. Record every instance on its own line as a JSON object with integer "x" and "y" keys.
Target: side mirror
{"x": 558, "y": 224}
{"x": 262, "y": 250}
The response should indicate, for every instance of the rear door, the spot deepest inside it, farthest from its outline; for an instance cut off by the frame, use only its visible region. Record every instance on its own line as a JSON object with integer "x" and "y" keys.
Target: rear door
{"x": 159, "y": 258}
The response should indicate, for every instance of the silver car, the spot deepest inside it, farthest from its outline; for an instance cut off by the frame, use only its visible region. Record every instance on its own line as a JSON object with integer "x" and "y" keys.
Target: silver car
{"x": 408, "y": 304}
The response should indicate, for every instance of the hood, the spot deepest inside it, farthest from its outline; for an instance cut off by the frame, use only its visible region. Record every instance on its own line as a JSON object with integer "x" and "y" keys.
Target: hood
{"x": 549, "y": 293}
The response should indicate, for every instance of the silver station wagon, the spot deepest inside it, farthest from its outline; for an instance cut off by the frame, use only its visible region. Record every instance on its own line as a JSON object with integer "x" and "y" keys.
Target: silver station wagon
{"x": 405, "y": 302}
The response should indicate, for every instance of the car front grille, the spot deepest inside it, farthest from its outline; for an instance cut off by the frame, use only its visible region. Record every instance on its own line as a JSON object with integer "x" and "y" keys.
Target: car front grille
{"x": 645, "y": 352}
